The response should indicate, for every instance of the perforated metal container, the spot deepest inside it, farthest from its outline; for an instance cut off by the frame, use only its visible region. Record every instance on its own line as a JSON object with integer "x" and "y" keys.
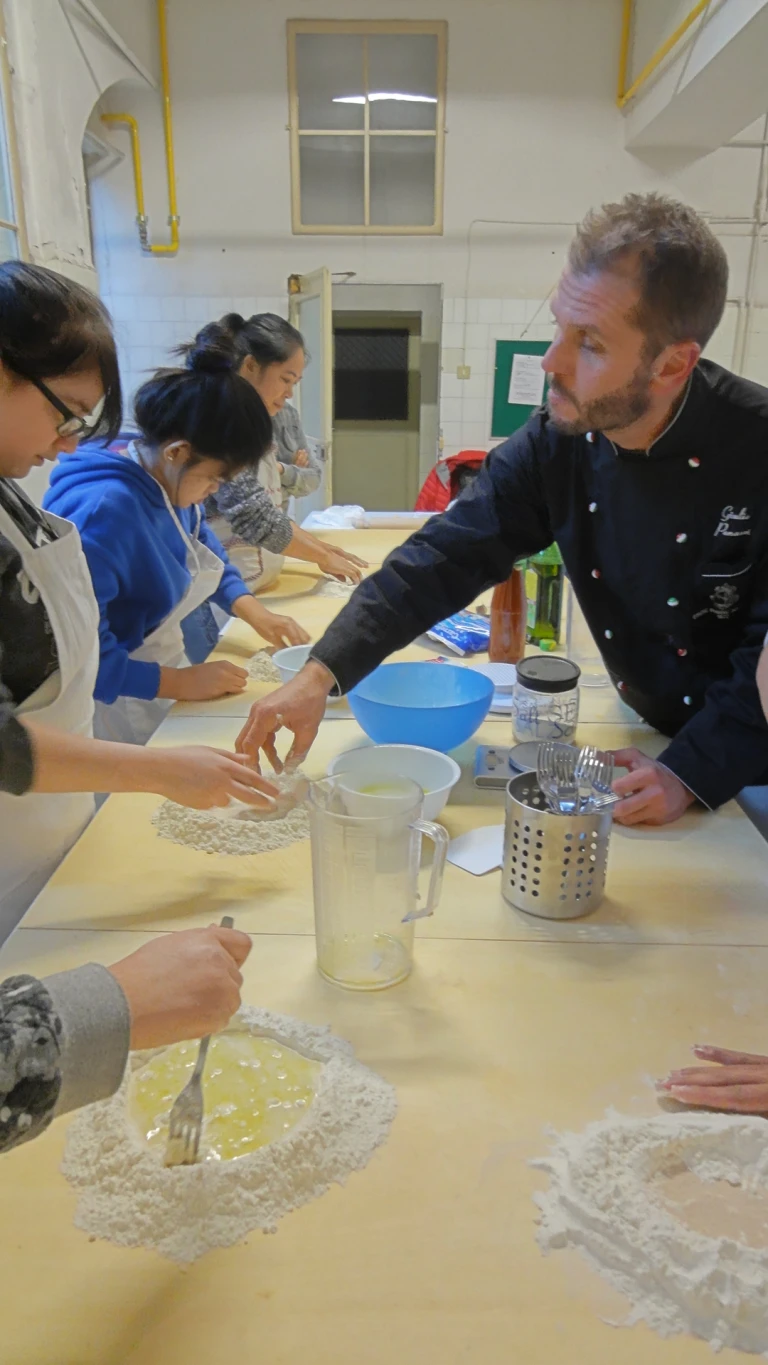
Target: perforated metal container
{"x": 554, "y": 865}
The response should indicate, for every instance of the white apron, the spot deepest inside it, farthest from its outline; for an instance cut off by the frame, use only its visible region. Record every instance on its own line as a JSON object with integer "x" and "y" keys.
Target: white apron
{"x": 130, "y": 720}
{"x": 259, "y": 568}
{"x": 36, "y": 830}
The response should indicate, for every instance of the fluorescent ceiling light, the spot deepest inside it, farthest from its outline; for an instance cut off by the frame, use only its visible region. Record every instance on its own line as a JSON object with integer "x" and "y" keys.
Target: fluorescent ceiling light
{"x": 385, "y": 95}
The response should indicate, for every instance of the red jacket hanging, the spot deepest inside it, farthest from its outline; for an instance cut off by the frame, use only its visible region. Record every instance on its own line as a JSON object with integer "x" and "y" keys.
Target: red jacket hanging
{"x": 441, "y": 485}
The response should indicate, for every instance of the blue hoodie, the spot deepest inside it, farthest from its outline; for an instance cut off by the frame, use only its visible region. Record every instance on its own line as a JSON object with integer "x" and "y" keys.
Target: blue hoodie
{"x": 136, "y": 557}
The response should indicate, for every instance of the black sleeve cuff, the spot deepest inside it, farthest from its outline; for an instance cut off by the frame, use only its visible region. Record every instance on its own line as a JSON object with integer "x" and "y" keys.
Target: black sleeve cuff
{"x": 17, "y": 759}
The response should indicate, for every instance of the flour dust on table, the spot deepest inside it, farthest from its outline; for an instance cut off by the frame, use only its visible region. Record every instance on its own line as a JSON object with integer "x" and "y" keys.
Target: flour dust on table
{"x": 611, "y": 1198}
{"x": 236, "y": 829}
{"x": 128, "y": 1196}
{"x": 261, "y": 667}
{"x": 335, "y": 587}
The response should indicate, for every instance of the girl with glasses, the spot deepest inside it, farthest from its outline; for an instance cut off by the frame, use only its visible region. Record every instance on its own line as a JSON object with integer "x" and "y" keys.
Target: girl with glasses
{"x": 59, "y": 380}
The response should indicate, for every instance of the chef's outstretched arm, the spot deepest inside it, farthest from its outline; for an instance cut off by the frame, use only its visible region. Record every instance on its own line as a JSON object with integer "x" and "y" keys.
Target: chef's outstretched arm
{"x": 502, "y": 517}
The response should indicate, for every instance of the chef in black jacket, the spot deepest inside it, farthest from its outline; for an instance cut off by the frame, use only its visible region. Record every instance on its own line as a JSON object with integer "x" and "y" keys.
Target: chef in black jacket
{"x": 649, "y": 467}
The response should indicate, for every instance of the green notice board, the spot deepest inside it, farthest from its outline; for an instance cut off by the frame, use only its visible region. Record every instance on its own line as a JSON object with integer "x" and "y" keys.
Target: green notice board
{"x": 507, "y": 417}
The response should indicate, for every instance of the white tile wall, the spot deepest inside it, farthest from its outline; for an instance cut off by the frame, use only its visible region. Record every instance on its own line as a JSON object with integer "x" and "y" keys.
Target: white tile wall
{"x": 466, "y": 404}
{"x": 148, "y": 327}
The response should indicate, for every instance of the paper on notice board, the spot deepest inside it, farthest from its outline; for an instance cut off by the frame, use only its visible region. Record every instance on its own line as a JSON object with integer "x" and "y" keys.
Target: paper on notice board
{"x": 526, "y": 382}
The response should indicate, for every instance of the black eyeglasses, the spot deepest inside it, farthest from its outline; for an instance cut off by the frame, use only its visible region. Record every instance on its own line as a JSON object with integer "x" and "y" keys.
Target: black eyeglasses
{"x": 72, "y": 424}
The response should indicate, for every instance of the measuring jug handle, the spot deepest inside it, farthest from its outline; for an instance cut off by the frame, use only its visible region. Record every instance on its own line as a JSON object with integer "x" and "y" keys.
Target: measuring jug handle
{"x": 439, "y": 837}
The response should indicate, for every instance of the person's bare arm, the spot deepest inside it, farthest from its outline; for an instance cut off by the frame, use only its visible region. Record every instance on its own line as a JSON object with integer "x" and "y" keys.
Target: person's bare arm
{"x": 192, "y": 775}
{"x": 330, "y": 558}
{"x": 733, "y": 1081}
{"x": 276, "y": 630}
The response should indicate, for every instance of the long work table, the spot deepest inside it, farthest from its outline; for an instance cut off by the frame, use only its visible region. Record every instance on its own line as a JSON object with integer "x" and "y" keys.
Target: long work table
{"x": 507, "y": 1025}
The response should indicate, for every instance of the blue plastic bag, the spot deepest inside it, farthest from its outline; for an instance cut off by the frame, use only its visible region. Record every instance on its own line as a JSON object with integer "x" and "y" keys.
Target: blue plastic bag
{"x": 464, "y": 633}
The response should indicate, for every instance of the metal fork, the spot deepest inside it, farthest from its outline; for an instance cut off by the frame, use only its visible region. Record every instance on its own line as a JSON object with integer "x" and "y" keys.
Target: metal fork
{"x": 567, "y": 787}
{"x": 186, "y": 1121}
{"x": 555, "y": 765}
{"x": 587, "y": 766}
{"x": 594, "y": 775}
{"x": 545, "y": 772}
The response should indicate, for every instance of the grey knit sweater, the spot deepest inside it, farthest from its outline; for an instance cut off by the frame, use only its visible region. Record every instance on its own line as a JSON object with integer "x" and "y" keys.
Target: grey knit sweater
{"x": 246, "y": 504}
{"x": 63, "y": 1043}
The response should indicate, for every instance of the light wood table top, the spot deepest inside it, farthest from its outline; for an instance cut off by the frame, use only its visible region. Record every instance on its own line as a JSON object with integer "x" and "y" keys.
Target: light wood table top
{"x": 703, "y": 879}
{"x": 315, "y": 613}
{"x": 427, "y": 1257}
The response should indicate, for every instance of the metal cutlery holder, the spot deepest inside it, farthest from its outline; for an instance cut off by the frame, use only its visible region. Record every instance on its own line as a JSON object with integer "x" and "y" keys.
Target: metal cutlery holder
{"x": 554, "y": 865}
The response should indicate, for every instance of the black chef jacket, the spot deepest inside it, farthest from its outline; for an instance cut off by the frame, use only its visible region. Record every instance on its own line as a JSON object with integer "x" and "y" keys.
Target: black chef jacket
{"x": 667, "y": 550}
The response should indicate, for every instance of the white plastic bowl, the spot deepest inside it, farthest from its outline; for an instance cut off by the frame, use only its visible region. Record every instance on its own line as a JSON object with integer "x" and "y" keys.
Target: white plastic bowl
{"x": 436, "y": 773}
{"x": 290, "y": 661}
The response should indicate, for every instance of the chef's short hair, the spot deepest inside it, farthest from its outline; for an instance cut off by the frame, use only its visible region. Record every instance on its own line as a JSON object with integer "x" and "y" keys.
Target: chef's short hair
{"x": 681, "y": 266}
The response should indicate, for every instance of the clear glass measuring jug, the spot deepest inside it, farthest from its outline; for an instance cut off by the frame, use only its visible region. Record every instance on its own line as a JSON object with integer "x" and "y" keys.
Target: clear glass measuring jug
{"x": 366, "y": 848}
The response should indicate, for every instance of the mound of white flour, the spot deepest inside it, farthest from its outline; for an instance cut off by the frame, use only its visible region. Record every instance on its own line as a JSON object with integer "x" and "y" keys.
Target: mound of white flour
{"x": 128, "y": 1196}
{"x": 605, "y": 1200}
{"x": 262, "y": 669}
{"x": 234, "y": 830}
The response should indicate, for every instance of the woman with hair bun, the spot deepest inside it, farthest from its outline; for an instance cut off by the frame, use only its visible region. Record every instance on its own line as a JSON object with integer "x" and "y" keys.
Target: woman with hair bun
{"x": 247, "y": 514}
{"x": 152, "y": 557}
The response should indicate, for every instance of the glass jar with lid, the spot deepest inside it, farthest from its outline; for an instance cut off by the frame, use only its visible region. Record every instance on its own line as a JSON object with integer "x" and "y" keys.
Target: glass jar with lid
{"x": 545, "y": 702}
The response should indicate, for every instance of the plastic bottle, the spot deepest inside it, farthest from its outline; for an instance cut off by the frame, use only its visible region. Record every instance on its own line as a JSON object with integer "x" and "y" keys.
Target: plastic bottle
{"x": 544, "y": 586}
{"x": 509, "y": 614}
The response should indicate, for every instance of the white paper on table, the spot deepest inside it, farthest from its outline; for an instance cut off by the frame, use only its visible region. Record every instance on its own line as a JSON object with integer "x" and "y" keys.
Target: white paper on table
{"x": 526, "y": 382}
{"x": 479, "y": 851}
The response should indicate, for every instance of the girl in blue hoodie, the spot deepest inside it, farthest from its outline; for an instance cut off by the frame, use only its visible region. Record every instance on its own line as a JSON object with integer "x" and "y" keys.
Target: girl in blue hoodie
{"x": 151, "y": 555}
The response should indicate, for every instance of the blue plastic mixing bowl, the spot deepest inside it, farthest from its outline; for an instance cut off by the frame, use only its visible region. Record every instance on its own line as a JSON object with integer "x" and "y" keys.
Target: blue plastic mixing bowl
{"x": 436, "y": 705}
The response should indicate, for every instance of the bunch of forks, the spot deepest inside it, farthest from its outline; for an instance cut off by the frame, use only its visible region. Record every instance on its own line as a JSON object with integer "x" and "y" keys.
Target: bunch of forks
{"x": 575, "y": 780}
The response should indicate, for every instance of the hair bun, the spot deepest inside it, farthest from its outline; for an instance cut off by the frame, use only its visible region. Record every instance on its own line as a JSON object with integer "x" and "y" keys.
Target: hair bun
{"x": 210, "y": 360}
{"x": 233, "y": 322}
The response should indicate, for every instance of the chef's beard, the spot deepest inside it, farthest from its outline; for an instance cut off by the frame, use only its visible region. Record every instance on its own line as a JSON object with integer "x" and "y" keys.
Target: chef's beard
{"x": 613, "y": 412}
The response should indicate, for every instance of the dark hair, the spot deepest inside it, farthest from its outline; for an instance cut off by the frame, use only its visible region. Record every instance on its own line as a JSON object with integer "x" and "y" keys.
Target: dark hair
{"x": 682, "y": 267}
{"x": 50, "y": 326}
{"x": 265, "y": 336}
{"x": 218, "y": 413}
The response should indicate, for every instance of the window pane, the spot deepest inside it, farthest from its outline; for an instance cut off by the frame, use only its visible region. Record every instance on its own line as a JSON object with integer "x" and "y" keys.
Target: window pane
{"x": 404, "y": 65}
{"x": 403, "y": 181}
{"x": 331, "y": 173}
{"x": 9, "y": 245}
{"x": 329, "y": 72}
{"x": 370, "y": 374}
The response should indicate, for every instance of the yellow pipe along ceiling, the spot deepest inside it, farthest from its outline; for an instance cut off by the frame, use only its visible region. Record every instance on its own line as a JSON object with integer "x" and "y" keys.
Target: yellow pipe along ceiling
{"x": 161, "y": 248}
{"x": 624, "y": 95}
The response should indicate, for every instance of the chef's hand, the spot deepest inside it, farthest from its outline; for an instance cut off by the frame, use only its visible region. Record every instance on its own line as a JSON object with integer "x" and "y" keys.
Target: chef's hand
{"x": 739, "y": 1082}
{"x": 203, "y": 778}
{"x": 183, "y": 985}
{"x": 299, "y": 705}
{"x": 654, "y": 796}
{"x": 202, "y": 682}
{"x": 340, "y": 564}
{"x": 301, "y": 458}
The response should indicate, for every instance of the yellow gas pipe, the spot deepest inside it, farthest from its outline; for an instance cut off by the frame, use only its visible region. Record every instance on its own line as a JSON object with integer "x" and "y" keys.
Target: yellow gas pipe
{"x": 163, "y": 248}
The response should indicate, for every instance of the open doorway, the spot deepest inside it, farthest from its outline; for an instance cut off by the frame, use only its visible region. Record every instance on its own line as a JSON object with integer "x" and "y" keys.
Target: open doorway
{"x": 386, "y": 366}
{"x": 376, "y": 409}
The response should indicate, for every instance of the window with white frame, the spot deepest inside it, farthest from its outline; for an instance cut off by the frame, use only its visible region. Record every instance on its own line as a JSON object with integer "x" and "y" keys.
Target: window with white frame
{"x": 367, "y": 115}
